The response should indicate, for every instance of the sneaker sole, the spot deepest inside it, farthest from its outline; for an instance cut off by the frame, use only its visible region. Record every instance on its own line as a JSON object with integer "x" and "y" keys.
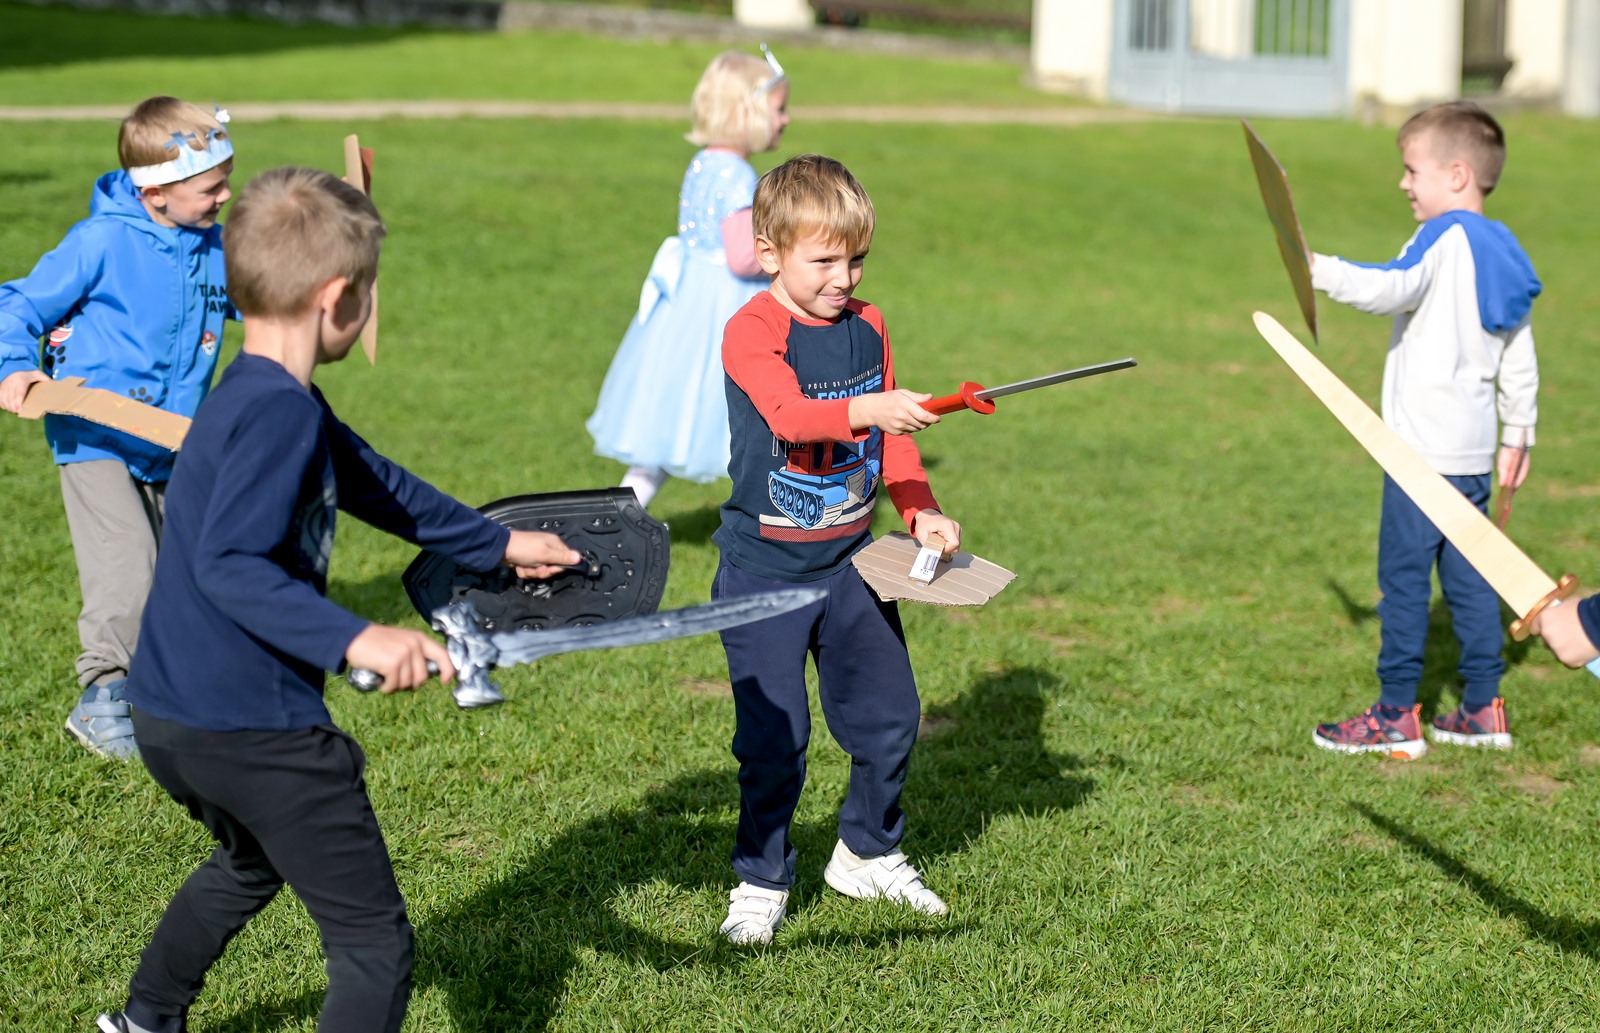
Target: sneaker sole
{"x": 1409, "y": 749}
{"x": 1487, "y": 740}
{"x": 94, "y": 747}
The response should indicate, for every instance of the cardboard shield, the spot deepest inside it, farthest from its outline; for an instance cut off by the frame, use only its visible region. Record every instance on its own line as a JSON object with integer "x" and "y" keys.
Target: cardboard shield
{"x": 1274, "y": 184}
{"x": 628, "y": 548}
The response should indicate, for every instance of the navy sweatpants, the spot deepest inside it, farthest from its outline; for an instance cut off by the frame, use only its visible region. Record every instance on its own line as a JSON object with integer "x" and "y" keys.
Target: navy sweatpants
{"x": 1409, "y": 547}
{"x": 283, "y": 807}
{"x": 869, "y": 699}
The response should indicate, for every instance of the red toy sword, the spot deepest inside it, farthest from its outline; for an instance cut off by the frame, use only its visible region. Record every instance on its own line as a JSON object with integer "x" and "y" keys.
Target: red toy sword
{"x": 977, "y": 397}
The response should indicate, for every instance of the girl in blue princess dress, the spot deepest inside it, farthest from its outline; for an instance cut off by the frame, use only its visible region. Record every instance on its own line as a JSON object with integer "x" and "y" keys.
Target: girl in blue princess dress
{"x": 662, "y": 409}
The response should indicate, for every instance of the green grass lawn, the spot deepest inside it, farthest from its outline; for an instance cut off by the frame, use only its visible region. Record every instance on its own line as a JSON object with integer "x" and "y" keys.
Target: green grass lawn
{"x": 1116, "y": 789}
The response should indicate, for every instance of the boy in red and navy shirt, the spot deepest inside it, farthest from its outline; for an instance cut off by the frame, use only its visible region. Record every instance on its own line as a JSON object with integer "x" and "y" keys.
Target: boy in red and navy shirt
{"x": 817, "y": 425}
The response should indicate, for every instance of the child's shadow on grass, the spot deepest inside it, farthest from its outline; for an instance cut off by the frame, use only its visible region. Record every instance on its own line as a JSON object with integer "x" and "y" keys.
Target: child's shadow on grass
{"x": 1556, "y": 930}
{"x": 503, "y": 954}
{"x": 1441, "y": 654}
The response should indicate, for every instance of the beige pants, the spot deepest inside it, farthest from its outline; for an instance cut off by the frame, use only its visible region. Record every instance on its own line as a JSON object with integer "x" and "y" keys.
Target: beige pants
{"x": 116, "y": 527}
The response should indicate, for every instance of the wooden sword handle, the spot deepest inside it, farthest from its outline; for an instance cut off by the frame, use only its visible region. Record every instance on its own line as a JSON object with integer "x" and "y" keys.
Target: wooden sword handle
{"x": 966, "y": 398}
{"x": 1522, "y": 626}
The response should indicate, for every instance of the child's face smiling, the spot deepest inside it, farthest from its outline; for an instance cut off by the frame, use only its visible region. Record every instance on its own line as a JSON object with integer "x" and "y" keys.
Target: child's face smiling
{"x": 194, "y": 202}
{"x": 816, "y": 277}
{"x": 1431, "y": 185}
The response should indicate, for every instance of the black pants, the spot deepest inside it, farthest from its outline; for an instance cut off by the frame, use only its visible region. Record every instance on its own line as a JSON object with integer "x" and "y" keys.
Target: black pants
{"x": 284, "y": 807}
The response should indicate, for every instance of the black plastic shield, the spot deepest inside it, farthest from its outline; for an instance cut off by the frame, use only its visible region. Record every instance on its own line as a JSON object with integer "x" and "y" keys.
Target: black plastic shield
{"x": 629, "y": 552}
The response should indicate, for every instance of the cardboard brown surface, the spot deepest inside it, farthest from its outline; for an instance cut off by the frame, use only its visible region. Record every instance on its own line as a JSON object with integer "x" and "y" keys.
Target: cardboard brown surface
{"x": 68, "y": 397}
{"x": 1274, "y": 184}
{"x": 358, "y": 173}
{"x": 965, "y": 580}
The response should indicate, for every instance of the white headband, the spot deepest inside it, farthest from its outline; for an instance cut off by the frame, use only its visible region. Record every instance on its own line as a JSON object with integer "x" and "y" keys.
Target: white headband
{"x": 777, "y": 72}
{"x": 189, "y": 161}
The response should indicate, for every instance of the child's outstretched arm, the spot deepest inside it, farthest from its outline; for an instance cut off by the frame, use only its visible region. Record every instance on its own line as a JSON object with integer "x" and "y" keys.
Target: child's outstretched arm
{"x": 1378, "y": 290}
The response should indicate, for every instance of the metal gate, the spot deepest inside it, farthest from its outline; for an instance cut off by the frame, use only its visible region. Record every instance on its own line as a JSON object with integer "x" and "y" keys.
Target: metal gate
{"x": 1237, "y": 57}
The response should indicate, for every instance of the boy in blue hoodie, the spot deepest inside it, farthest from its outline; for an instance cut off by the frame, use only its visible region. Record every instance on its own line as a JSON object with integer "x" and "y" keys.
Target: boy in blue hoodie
{"x": 132, "y": 300}
{"x": 1461, "y": 375}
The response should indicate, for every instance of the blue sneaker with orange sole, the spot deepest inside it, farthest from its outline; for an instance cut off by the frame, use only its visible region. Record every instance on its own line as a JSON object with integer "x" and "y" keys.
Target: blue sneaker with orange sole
{"x": 1474, "y": 726}
{"x": 1395, "y": 731}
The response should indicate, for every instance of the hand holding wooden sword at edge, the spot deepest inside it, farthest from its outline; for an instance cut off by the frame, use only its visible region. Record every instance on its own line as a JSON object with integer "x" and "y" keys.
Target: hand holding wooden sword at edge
{"x": 1528, "y": 590}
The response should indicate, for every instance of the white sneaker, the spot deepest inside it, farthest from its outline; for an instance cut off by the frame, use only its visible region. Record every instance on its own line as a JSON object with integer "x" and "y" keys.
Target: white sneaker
{"x": 754, "y": 914}
{"x": 889, "y": 876}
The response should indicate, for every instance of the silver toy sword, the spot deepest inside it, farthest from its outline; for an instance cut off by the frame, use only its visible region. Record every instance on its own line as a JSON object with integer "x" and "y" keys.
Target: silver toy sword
{"x": 475, "y": 652}
{"x": 977, "y": 397}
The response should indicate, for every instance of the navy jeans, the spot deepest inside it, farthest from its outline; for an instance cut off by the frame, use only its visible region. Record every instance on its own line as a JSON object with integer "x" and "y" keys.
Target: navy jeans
{"x": 1409, "y": 548}
{"x": 869, "y": 699}
{"x": 283, "y": 807}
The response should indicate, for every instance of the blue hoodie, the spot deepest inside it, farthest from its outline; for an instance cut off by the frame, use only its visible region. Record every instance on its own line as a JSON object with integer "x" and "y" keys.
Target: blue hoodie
{"x": 129, "y": 305}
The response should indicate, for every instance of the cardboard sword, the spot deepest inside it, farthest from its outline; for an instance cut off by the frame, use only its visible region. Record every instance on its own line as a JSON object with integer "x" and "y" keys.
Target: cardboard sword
{"x": 69, "y": 397}
{"x": 358, "y": 173}
{"x": 476, "y": 650}
{"x": 978, "y": 398}
{"x": 1514, "y": 577}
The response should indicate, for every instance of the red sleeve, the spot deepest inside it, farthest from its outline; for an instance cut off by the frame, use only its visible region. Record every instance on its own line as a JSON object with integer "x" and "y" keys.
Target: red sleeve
{"x": 753, "y": 346}
{"x": 903, "y": 476}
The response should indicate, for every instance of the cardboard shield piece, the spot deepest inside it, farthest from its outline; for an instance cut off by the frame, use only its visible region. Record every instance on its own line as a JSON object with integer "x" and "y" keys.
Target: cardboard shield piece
{"x": 629, "y": 549}
{"x": 68, "y": 397}
{"x": 358, "y": 173}
{"x": 965, "y": 580}
{"x": 1274, "y": 184}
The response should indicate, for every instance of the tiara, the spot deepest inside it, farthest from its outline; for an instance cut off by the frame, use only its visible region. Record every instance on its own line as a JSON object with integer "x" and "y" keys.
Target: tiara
{"x": 777, "y": 72}
{"x": 189, "y": 161}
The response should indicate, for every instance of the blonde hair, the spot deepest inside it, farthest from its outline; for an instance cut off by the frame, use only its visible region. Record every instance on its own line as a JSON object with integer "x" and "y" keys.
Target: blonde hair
{"x": 729, "y": 106}
{"x": 812, "y": 193}
{"x": 290, "y": 232}
{"x": 147, "y": 133}
{"x": 1461, "y": 131}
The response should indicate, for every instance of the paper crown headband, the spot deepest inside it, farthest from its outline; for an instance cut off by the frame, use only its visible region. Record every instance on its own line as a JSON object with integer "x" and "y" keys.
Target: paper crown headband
{"x": 777, "y": 71}
{"x": 189, "y": 161}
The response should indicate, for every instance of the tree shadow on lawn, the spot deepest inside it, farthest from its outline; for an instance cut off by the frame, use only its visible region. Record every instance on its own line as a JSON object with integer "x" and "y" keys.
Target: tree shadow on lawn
{"x": 1557, "y": 930}
{"x": 1441, "y": 654}
{"x": 56, "y": 36}
{"x": 504, "y": 954}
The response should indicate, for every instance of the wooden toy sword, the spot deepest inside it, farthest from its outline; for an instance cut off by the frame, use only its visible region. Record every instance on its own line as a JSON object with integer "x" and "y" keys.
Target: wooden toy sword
{"x": 977, "y": 397}
{"x": 1509, "y": 571}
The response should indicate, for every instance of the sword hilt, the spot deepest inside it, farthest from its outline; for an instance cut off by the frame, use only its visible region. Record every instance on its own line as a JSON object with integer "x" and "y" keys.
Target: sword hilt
{"x": 966, "y": 398}
{"x": 364, "y": 680}
{"x": 1522, "y": 627}
{"x": 471, "y": 651}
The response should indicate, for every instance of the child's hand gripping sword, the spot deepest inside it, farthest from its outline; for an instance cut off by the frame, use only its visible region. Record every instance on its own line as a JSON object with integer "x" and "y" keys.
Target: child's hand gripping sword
{"x": 476, "y": 650}
{"x": 977, "y": 397}
{"x": 1517, "y": 579}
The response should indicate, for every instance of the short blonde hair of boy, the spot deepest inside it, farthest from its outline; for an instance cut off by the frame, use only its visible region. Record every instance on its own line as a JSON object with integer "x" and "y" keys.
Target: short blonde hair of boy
{"x": 729, "y": 107}
{"x": 147, "y": 132}
{"x": 1461, "y": 131}
{"x": 811, "y": 193}
{"x": 289, "y": 232}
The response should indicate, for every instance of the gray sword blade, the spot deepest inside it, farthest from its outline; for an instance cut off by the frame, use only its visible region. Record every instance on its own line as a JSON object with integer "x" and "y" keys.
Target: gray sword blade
{"x": 1054, "y": 378}
{"x": 521, "y": 647}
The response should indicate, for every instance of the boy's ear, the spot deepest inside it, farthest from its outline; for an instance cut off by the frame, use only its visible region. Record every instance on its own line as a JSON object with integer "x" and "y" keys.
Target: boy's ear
{"x": 1461, "y": 175}
{"x": 328, "y": 295}
{"x": 767, "y": 256}
{"x": 154, "y": 196}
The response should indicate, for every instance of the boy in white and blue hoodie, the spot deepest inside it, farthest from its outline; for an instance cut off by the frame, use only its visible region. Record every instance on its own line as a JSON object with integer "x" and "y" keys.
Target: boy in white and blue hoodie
{"x": 133, "y": 300}
{"x": 1460, "y": 378}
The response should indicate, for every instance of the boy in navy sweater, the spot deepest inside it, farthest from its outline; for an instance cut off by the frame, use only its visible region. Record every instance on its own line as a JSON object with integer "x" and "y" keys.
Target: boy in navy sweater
{"x": 226, "y": 686}
{"x": 818, "y": 427}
